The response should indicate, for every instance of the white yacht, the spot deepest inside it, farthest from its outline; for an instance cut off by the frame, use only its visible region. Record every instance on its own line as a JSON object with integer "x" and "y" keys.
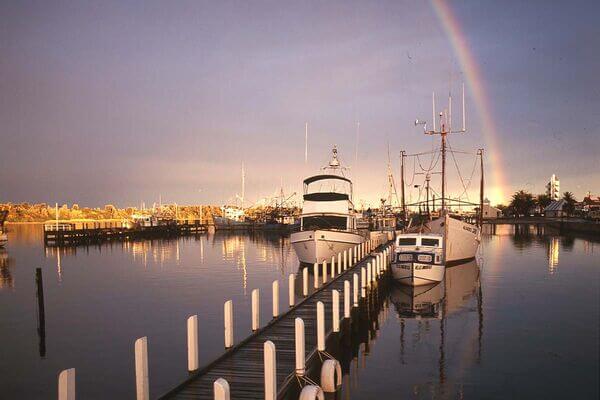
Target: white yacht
{"x": 328, "y": 220}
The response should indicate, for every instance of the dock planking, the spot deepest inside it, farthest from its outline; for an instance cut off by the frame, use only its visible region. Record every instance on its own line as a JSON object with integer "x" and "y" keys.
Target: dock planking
{"x": 242, "y": 365}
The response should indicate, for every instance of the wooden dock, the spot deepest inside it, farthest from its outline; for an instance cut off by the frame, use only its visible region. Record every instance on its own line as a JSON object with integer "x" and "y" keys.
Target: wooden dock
{"x": 242, "y": 365}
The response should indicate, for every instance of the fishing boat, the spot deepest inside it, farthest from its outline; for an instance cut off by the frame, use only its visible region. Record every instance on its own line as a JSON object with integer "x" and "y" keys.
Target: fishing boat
{"x": 328, "y": 220}
{"x": 458, "y": 239}
{"x": 419, "y": 259}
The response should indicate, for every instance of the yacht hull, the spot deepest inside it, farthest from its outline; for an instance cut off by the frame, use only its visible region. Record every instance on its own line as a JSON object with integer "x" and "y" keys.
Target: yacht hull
{"x": 320, "y": 245}
{"x": 417, "y": 274}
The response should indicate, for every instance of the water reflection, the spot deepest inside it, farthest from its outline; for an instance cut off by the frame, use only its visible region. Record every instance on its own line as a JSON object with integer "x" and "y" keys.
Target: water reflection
{"x": 6, "y": 277}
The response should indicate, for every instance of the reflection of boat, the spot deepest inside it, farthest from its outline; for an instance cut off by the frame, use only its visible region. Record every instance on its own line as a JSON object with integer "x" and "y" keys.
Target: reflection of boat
{"x": 328, "y": 220}
{"x": 419, "y": 259}
{"x": 457, "y": 287}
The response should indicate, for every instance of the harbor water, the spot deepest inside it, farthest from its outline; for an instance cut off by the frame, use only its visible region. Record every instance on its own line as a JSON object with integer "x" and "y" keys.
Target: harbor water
{"x": 519, "y": 322}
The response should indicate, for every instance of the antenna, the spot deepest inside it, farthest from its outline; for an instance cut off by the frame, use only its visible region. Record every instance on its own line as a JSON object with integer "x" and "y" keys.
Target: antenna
{"x": 464, "y": 125}
{"x": 305, "y": 142}
{"x": 449, "y": 111}
{"x": 433, "y": 109}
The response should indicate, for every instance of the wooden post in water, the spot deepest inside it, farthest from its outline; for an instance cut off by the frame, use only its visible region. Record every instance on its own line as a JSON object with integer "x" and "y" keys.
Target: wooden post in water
{"x": 39, "y": 283}
{"x": 335, "y": 310}
{"x": 320, "y": 326}
{"x": 369, "y": 267}
{"x": 346, "y": 299}
{"x": 141, "y": 369}
{"x": 270, "y": 358}
{"x": 300, "y": 347}
{"x": 221, "y": 389}
{"x": 228, "y": 319}
{"x": 316, "y": 274}
{"x": 192, "y": 342}
{"x": 339, "y": 263}
{"x": 324, "y": 272}
{"x": 291, "y": 285}
{"x": 275, "y": 298}
{"x": 305, "y": 282}
{"x": 255, "y": 309}
{"x": 363, "y": 283}
{"x": 332, "y": 267}
{"x": 345, "y": 259}
{"x": 66, "y": 384}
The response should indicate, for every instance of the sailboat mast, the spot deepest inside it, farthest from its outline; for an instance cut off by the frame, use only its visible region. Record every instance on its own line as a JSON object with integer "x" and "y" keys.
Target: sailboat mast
{"x": 481, "y": 188}
{"x": 443, "y": 134}
{"x": 402, "y": 155}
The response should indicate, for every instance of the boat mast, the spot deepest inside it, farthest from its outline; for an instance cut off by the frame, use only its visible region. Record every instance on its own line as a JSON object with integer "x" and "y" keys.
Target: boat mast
{"x": 402, "y": 155}
{"x": 480, "y": 153}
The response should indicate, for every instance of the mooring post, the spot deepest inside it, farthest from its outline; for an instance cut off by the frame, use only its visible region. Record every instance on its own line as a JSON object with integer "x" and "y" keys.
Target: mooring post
{"x": 335, "y": 310}
{"x": 345, "y": 259}
{"x": 320, "y": 326}
{"x": 316, "y": 274}
{"x": 270, "y": 370}
{"x": 355, "y": 290}
{"x": 305, "y": 282}
{"x": 291, "y": 289}
{"x": 275, "y": 298}
{"x": 228, "y": 319}
{"x": 324, "y": 272}
{"x": 141, "y": 369}
{"x": 339, "y": 263}
{"x": 363, "y": 283}
{"x": 369, "y": 274}
{"x": 255, "y": 309}
{"x": 300, "y": 347}
{"x": 39, "y": 283}
{"x": 221, "y": 389}
{"x": 66, "y": 384}
{"x": 346, "y": 299}
{"x": 192, "y": 342}
{"x": 332, "y": 267}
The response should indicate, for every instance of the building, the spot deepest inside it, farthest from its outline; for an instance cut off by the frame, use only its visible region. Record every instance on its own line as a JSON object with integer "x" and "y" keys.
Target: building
{"x": 553, "y": 188}
{"x": 556, "y": 209}
{"x": 490, "y": 212}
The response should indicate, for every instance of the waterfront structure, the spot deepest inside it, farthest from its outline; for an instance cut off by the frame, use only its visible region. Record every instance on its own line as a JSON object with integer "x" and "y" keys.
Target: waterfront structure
{"x": 553, "y": 188}
{"x": 556, "y": 209}
{"x": 490, "y": 212}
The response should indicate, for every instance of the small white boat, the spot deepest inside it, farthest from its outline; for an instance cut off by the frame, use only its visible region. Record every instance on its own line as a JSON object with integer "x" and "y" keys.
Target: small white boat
{"x": 419, "y": 259}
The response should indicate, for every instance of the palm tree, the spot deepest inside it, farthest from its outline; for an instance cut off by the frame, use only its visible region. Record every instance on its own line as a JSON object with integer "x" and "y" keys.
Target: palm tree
{"x": 570, "y": 201}
{"x": 522, "y": 202}
{"x": 543, "y": 200}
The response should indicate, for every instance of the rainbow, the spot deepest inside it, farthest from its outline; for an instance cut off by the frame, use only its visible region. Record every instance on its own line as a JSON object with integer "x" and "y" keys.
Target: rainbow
{"x": 475, "y": 83}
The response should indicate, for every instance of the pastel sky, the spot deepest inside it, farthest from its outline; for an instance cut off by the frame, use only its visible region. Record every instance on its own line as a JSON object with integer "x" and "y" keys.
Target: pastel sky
{"x": 120, "y": 102}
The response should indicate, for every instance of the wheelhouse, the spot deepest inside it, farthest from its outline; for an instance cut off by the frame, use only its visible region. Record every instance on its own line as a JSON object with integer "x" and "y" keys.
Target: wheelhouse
{"x": 327, "y": 203}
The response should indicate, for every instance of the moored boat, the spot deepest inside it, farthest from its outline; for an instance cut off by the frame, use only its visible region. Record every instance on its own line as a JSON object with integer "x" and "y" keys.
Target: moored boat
{"x": 328, "y": 220}
{"x": 419, "y": 259}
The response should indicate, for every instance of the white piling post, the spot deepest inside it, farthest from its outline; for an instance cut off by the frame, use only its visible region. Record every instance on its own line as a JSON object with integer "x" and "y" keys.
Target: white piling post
{"x": 345, "y": 259}
{"x": 228, "y": 323}
{"x": 369, "y": 267}
{"x": 346, "y": 299}
{"x": 332, "y": 267}
{"x": 270, "y": 370}
{"x": 300, "y": 347}
{"x": 339, "y": 263}
{"x": 141, "y": 369}
{"x": 255, "y": 309}
{"x": 275, "y": 298}
{"x": 355, "y": 290}
{"x": 335, "y": 310}
{"x": 192, "y": 342}
{"x": 66, "y": 384}
{"x": 221, "y": 389}
{"x": 305, "y": 282}
{"x": 320, "y": 326}
{"x": 363, "y": 282}
{"x": 291, "y": 289}
{"x": 316, "y": 274}
{"x": 324, "y": 272}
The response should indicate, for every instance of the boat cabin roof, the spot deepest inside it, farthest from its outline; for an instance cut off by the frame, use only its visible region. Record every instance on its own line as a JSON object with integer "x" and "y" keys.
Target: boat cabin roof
{"x": 316, "y": 178}
{"x": 420, "y": 240}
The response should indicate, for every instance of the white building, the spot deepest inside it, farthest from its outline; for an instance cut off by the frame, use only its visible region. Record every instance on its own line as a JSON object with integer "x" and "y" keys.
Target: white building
{"x": 553, "y": 188}
{"x": 490, "y": 212}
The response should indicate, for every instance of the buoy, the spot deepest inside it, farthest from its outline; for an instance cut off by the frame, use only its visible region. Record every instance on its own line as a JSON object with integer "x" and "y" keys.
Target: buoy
{"x": 330, "y": 370}
{"x": 311, "y": 392}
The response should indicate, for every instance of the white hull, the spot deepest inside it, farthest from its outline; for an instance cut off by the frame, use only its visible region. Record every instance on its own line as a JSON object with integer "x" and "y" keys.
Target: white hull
{"x": 320, "y": 245}
{"x": 461, "y": 240}
{"x": 417, "y": 274}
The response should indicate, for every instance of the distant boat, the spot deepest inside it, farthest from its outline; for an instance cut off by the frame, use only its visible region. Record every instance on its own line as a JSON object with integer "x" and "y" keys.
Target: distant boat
{"x": 328, "y": 220}
{"x": 233, "y": 218}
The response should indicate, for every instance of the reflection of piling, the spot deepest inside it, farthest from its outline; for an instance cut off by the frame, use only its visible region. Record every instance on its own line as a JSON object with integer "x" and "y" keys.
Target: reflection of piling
{"x": 41, "y": 313}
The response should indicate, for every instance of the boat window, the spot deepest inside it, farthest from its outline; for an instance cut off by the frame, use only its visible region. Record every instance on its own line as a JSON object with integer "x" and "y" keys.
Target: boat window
{"x": 323, "y": 222}
{"x": 407, "y": 241}
{"x": 430, "y": 242}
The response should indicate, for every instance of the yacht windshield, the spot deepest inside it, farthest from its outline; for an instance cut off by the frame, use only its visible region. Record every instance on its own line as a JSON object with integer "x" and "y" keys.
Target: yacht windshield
{"x": 328, "y": 184}
{"x": 407, "y": 241}
{"x": 323, "y": 222}
{"x": 430, "y": 242}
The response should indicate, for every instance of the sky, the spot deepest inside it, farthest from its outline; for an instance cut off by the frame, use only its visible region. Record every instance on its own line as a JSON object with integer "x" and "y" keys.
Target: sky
{"x": 128, "y": 101}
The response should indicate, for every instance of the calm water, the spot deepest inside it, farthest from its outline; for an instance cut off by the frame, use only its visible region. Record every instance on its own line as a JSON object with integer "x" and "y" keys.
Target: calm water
{"x": 522, "y": 322}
